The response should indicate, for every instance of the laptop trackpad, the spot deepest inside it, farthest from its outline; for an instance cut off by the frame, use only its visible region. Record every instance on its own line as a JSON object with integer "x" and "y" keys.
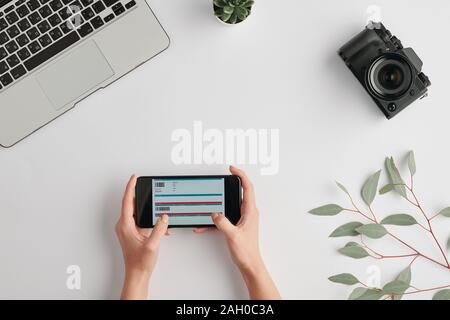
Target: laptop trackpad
{"x": 74, "y": 75}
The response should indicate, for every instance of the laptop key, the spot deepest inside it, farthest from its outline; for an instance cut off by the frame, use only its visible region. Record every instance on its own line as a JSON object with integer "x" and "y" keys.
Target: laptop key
{"x": 87, "y": 3}
{"x": 3, "y": 53}
{"x": 130, "y": 4}
{"x": 23, "y": 25}
{"x": 66, "y": 27}
{"x": 12, "y": 17}
{"x": 3, "y": 38}
{"x": 43, "y": 27}
{"x": 45, "y": 11}
{"x": 33, "y": 5}
{"x": 22, "y": 40}
{"x": 18, "y": 71}
{"x": 118, "y": 9}
{"x": 12, "y": 61}
{"x": 3, "y": 67}
{"x": 23, "y": 54}
{"x": 109, "y": 17}
{"x": 6, "y": 79}
{"x": 13, "y": 31}
{"x": 98, "y": 7}
{"x": 55, "y": 33}
{"x": 97, "y": 22}
{"x": 66, "y": 2}
{"x": 11, "y": 46}
{"x": 51, "y": 51}
{"x": 56, "y": 5}
{"x": 34, "y": 17}
{"x": 3, "y": 24}
{"x": 22, "y": 11}
{"x": 33, "y": 33}
{"x": 45, "y": 40}
{"x": 85, "y": 29}
{"x": 9, "y": 9}
{"x": 65, "y": 13}
{"x": 34, "y": 47}
{"x": 54, "y": 20}
{"x": 87, "y": 14}
{"x": 109, "y": 3}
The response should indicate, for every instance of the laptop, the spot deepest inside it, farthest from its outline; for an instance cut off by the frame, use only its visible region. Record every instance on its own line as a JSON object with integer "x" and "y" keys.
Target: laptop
{"x": 54, "y": 53}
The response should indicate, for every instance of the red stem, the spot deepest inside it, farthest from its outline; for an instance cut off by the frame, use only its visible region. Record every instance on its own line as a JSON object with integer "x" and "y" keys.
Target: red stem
{"x": 403, "y": 242}
{"x": 429, "y": 226}
{"x": 426, "y": 290}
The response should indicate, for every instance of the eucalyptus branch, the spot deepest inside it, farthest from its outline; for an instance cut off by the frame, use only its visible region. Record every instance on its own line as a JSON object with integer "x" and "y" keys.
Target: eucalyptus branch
{"x": 376, "y": 229}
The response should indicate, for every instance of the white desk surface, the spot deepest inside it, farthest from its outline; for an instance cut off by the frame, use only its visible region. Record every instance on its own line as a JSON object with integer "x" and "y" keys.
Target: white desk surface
{"x": 61, "y": 188}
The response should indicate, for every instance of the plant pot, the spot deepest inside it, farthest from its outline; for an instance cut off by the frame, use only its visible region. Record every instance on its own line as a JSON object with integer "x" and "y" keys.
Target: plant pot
{"x": 226, "y": 23}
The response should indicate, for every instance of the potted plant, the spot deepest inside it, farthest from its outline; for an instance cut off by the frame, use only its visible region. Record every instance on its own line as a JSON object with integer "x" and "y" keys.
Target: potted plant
{"x": 232, "y": 11}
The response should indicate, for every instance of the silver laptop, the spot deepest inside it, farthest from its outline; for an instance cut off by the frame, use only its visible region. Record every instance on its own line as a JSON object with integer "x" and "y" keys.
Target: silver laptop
{"x": 54, "y": 53}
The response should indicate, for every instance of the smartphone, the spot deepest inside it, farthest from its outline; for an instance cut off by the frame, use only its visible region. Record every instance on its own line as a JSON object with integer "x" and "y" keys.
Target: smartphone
{"x": 188, "y": 201}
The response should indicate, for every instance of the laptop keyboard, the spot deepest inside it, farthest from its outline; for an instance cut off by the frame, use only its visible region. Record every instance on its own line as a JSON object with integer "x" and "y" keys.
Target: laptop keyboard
{"x": 34, "y": 31}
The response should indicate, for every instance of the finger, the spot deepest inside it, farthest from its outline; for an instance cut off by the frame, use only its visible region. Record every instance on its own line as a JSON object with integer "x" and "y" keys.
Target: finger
{"x": 203, "y": 229}
{"x": 168, "y": 232}
{"x": 158, "y": 232}
{"x": 247, "y": 186}
{"x": 222, "y": 223}
{"x": 128, "y": 199}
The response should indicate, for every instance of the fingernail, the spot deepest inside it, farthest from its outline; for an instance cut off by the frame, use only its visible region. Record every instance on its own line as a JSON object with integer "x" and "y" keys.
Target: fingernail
{"x": 214, "y": 215}
{"x": 165, "y": 218}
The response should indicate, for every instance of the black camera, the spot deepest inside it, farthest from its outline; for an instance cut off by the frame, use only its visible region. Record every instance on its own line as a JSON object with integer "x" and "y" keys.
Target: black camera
{"x": 391, "y": 74}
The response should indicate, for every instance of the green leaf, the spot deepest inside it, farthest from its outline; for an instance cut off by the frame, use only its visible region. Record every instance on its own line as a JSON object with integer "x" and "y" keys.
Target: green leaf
{"x": 225, "y": 17}
{"x": 233, "y": 18}
{"x": 442, "y": 295}
{"x": 445, "y": 212}
{"x": 353, "y": 250}
{"x": 387, "y": 188}
{"x": 411, "y": 163}
{"x": 346, "y": 230}
{"x": 366, "y": 294}
{"x": 395, "y": 287}
{"x": 399, "y": 220}
{"x": 374, "y": 231}
{"x": 342, "y": 188}
{"x": 228, "y": 10}
{"x": 369, "y": 189}
{"x": 404, "y": 276}
{"x": 249, "y": 4}
{"x": 220, "y": 3}
{"x": 344, "y": 278}
{"x": 242, "y": 13}
{"x": 394, "y": 176}
{"x": 327, "y": 210}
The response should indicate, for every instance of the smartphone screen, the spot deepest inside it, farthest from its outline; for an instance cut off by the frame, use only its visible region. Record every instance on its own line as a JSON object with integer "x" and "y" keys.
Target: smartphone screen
{"x": 187, "y": 200}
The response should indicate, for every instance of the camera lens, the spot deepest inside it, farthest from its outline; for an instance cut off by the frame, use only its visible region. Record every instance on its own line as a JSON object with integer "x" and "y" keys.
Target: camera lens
{"x": 390, "y": 77}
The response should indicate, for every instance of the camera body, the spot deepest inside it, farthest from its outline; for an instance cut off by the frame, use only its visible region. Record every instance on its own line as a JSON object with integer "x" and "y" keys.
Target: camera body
{"x": 391, "y": 74}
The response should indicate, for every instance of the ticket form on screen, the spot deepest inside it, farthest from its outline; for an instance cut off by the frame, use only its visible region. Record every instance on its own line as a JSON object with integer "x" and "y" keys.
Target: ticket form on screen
{"x": 188, "y": 201}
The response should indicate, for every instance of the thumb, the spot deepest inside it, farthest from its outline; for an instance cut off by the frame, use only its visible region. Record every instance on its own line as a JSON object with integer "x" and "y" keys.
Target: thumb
{"x": 158, "y": 232}
{"x": 222, "y": 223}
